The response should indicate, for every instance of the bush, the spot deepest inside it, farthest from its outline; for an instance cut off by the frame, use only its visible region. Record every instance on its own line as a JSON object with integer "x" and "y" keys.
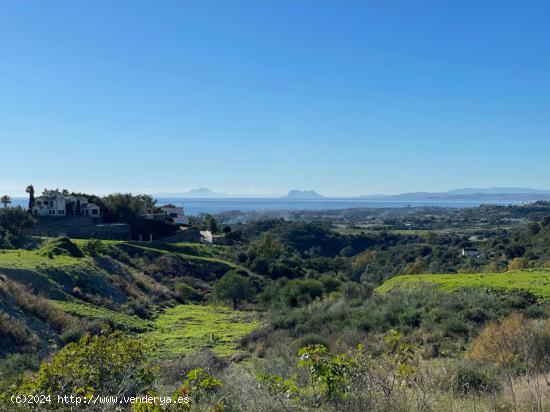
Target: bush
{"x": 13, "y": 367}
{"x": 201, "y": 387}
{"x": 455, "y": 326}
{"x": 501, "y": 344}
{"x": 72, "y": 335}
{"x": 138, "y": 308}
{"x": 516, "y": 343}
{"x": 94, "y": 247}
{"x": 301, "y": 291}
{"x": 365, "y": 323}
{"x": 474, "y": 380}
{"x": 353, "y": 290}
{"x": 186, "y": 293}
{"x": 518, "y": 263}
{"x": 410, "y": 317}
{"x": 96, "y": 365}
{"x": 330, "y": 283}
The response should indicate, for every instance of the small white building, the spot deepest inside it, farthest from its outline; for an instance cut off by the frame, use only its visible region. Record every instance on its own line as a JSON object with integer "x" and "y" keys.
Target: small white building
{"x": 62, "y": 204}
{"x": 176, "y": 214}
{"x": 206, "y": 237}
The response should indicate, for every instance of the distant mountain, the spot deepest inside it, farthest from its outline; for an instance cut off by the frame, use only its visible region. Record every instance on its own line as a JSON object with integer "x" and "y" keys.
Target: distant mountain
{"x": 303, "y": 195}
{"x": 474, "y": 194}
{"x": 194, "y": 193}
{"x": 466, "y": 194}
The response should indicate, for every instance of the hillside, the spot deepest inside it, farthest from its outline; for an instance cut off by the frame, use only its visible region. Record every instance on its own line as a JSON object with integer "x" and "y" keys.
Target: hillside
{"x": 62, "y": 289}
{"x": 377, "y": 294}
{"x": 536, "y": 282}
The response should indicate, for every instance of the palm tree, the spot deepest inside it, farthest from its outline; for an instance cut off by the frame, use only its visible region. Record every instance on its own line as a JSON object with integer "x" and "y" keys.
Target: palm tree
{"x": 30, "y": 191}
{"x": 5, "y": 200}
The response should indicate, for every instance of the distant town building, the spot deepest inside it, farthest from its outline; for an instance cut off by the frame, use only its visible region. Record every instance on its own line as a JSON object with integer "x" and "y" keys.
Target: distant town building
{"x": 473, "y": 253}
{"x": 176, "y": 214}
{"x": 58, "y": 203}
{"x": 166, "y": 213}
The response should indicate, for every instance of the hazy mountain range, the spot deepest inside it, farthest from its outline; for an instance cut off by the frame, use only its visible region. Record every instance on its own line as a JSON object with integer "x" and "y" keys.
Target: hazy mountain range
{"x": 492, "y": 193}
{"x": 201, "y": 193}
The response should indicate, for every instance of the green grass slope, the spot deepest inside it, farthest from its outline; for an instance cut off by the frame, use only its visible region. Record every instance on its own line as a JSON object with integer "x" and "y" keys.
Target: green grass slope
{"x": 187, "y": 328}
{"x": 92, "y": 312}
{"x": 536, "y": 282}
{"x": 32, "y": 259}
{"x": 124, "y": 280}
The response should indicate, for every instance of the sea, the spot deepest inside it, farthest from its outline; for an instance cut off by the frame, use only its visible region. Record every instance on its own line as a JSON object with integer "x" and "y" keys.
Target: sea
{"x": 197, "y": 206}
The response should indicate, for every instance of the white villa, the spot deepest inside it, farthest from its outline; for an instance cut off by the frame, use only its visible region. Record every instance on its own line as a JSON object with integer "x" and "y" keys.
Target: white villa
{"x": 62, "y": 204}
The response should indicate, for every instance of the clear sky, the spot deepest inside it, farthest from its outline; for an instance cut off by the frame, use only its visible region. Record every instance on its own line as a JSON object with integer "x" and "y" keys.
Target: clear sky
{"x": 342, "y": 97}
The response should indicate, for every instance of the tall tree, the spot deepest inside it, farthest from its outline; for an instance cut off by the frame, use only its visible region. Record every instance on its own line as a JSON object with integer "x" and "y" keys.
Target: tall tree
{"x": 5, "y": 200}
{"x": 30, "y": 191}
{"x": 210, "y": 223}
{"x": 234, "y": 287}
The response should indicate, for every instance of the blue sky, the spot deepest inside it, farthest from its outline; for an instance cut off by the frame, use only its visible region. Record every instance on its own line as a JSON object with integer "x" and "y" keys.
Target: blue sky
{"x": 343, "y": 97}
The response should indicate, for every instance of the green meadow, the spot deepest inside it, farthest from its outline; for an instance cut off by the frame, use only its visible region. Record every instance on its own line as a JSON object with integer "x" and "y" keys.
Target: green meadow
{"x": 177, "y": 330}
{"x": 31, "y": 259}
{"x": 187, "y": 328}
{"x": 536, "y": 282}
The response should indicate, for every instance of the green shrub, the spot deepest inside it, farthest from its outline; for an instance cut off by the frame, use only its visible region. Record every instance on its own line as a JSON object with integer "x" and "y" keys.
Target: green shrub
{"x": 186, "y": 293}
{"x": 364, "y": 323}
{"x": 72, "y": 335}
{"x": 301, "y": 291}
{"x": 201, "y": 388}
{"x": 455, "y": 326}
{"x": 330, "y": 283}
{"x": 355, "y": 291}
{"x": 285, "y": 321}
{"x": 94, "y": 247}
{"x": 473, "y": 379}
{"x": 95, "y": 365}
{"x": 410, "y": 317}
{"x": 139, "y": 308}
{"x": 13, "y": 368}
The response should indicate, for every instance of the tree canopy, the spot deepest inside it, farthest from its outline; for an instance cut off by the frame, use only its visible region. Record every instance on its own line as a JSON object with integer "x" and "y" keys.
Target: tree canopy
{"x": 234, "y": 287}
